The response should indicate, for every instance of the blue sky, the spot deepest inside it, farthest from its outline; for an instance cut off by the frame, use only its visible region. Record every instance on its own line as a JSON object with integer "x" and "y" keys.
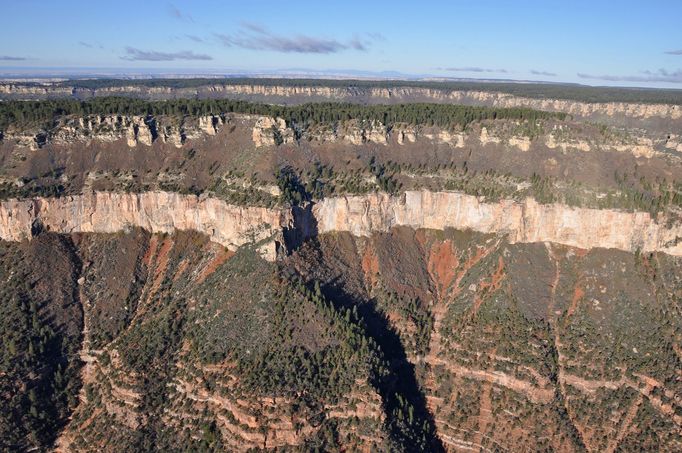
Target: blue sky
{"x": 597, "y": 42}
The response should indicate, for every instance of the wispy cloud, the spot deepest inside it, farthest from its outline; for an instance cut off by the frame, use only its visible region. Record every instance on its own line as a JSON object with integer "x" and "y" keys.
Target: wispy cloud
{"x": 543, "y": 73}
{"x": 661, "y": 75}
{"x": 90, "y": 45}
{"x": 376, "y": 36}
{"x": 256, "y": 37}
{"x": 194, "y": 38}
{"x": 12, "y": 58}
{"x": 133, "y": 54}
{"x": 674, "y": 52}
{"x": 175, "y": 12}
{"x": 358, "y": 44}
{"x": 474, "y": 69}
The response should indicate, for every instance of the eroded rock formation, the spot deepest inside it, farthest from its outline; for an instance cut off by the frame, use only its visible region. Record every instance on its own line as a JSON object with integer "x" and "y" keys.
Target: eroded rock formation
{"x": 524, "y": 221}
{"x": 135, "y": 130}
{"x": 233, "y": 226}
{"x": 162, "y": 212}
{"x": 272, "y": 131}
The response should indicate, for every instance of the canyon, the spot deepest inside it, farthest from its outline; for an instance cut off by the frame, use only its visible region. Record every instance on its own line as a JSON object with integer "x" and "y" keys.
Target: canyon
{"x": 203, "y": 275}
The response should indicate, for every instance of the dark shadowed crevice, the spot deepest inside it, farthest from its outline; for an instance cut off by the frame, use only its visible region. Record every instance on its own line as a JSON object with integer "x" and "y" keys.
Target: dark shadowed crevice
{"x": 410, "y": 423}
{"x": 304, "y": 227}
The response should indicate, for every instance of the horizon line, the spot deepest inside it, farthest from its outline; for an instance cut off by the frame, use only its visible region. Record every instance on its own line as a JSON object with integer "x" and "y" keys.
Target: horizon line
{"x": 66, "y": 73}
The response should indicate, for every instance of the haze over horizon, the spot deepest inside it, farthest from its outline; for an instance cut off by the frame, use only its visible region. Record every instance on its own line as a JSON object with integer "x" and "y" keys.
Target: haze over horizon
{"x": 635, "y": 44}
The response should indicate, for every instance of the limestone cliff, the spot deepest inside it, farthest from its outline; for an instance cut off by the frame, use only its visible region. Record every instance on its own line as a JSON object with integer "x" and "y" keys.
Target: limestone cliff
{"x": 234, "y": 226}
{"x": 525, "y": 221}
{"x": 272, "y": 131}
{"x": 134, "y": 129}
{"x": 163, "y": 212}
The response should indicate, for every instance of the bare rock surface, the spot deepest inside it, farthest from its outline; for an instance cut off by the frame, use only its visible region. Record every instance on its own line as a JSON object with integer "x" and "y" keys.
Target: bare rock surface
{"x": 233, "y": 226}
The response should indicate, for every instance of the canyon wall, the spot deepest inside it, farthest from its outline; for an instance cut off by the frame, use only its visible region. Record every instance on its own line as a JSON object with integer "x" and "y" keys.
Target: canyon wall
{"x": 143, "y": 131}
{"x": 410, "y": 94}
{"x": 297, "y": 94}
{"x": 134, "y": 129}
{"x": 234, "y": 226}
{"x": 160, "y": 212}
{"x": 521, "y": 221}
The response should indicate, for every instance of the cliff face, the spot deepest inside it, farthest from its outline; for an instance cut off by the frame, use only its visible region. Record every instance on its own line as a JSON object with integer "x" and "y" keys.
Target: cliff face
{"x": 526, "y": 221}
{"x": 161, "y": 212}
{"x": 144, "y": 131}
{"x": 234, "y": 226}
{"x": 271, "y": 131}
{"x": 135, "y": 130}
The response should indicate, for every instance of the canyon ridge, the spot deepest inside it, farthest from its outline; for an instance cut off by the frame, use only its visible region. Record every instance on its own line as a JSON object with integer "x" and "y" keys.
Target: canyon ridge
{"x": 297, "y": 265}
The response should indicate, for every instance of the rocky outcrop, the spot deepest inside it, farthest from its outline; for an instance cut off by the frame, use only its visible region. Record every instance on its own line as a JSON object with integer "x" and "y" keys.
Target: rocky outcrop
{"x": 638, "y": 146}
{"x": 486, "y": 138}
{"x": 135, "y": 130}
{"x": 174, "y": 135}
{"x": 446, "y": 137}
{"x": 235, "y": 226}
{"x": 405, "y": 133}
{"x": 526, "y": 221}
{"x": 360, "y": 132}
{"x": 210, "y": 124}
{"x": 34, "y": 91}
{"x": 268, "y": 131}
{"x": 674, "y": 142}
{"x": 102, "y": 128}
{"x": 522, "y": 143}
{"x": 272, "y": 131}
{"x": 140, "y": 131}
{"x": 552, "y": 143}
{"x": 376, "y": 132}
{"x": 32, "y": 139}
{"x": 162, "y": 212}
{"x": 354, "y": 132}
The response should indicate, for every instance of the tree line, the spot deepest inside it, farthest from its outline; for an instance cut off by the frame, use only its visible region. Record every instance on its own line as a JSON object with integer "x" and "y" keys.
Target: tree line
{"x": 539, "y": 90}
{"x": 43, "y": 113}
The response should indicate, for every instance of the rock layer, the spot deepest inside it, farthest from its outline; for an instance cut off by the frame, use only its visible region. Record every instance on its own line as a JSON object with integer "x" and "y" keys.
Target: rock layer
{"x": 234, "y": 226}
{"x": 161, "y": 212}
{"x": 144, "y": 131}
{"x": 524, "y": 221}
{"x": 134, "y": 129}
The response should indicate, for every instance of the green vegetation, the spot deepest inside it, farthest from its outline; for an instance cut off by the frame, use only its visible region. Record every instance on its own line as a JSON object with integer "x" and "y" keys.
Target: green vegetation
{"x": 631, "y": 193}
{"x": 38, "y": 377}
{"x": 9, "y": 190}
{"x": 251, "y": 346}
{"x": 290, "y": 187}
{"x": 414, "y": 313}
{"x": 531, "y": 90}
{"x": 278, "y": 343}
{"x": 44, "y": 113}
